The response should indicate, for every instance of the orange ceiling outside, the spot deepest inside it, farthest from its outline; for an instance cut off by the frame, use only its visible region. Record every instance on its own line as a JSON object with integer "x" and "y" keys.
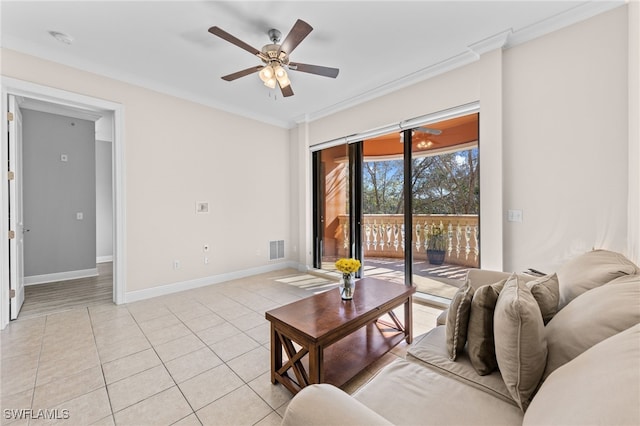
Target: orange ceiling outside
{"x": 455, "y": 131}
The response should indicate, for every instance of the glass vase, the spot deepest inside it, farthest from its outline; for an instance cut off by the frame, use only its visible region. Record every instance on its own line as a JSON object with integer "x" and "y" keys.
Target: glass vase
{"x": 347, "y": 286}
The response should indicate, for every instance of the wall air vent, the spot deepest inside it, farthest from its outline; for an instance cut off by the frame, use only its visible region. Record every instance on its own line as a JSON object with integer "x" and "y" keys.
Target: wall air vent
{"x": 276, "y": 250}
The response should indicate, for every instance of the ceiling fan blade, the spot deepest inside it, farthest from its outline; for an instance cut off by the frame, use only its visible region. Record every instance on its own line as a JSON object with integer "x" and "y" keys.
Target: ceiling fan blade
{"x": 298, "y": 33}
{"x": 286, "y": 90}
{"x": 242, "y": 73}
{"x": 428, "y": 130}
{"x": 217, "y": 31}
{"x": 314, "y": 69}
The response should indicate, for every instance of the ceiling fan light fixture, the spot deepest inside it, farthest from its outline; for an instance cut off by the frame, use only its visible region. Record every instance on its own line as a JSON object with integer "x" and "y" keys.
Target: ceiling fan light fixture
{"x": 281, "y": 75}
{"x": 270, "y": 83}
{"x": 267, "y": 73}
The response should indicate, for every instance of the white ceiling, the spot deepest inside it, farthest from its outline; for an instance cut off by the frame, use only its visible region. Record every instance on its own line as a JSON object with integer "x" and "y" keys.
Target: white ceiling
{"x": 378, "y": 45}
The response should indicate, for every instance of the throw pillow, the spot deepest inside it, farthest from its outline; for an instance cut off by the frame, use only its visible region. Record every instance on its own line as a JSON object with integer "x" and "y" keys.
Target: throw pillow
{"x": 547, "y": 293}
{"x": 480, "y": 342}
{"x": 458, "y": 320}
{"x": 521, "y": 348}
{"x": 591, "y": 270}
{"x": 591, "y": 318}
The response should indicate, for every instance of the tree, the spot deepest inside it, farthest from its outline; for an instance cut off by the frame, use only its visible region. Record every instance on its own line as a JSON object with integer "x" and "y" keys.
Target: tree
{"x": 440, "y": 184}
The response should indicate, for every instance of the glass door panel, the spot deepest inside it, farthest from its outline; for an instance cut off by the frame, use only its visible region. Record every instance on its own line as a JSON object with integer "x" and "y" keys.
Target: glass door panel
{"x": 331, "y": 206}
{"x": 445, "y": 204}
{"x": 383, "y": 207}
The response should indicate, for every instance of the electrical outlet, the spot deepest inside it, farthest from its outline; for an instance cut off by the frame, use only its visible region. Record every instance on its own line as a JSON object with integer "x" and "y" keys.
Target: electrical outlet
{"x": 205, "y": 248}
{"x": 176, "y": 264}
{"x": 514, "y": 215}
{"x": 206, "y": 260}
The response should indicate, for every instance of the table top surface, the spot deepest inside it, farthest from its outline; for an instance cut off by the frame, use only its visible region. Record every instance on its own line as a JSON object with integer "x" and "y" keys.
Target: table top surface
{"x": 322, "y": 313}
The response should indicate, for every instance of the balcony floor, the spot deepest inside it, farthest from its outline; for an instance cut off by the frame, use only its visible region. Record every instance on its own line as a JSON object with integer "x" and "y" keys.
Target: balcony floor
{"x": 437, "y": 280}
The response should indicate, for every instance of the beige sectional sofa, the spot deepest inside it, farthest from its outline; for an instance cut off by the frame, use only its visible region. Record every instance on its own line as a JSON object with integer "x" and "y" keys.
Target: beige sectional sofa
{"x": 589, "y": 373}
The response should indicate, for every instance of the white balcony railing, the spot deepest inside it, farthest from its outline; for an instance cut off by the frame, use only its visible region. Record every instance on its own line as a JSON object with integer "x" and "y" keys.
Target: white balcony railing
{"x": 383, "y": 236}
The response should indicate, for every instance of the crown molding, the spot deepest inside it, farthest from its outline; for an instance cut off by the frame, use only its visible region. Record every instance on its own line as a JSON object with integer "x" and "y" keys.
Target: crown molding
{"x": 564, "y": 19}
{"x": 497, "y": 41}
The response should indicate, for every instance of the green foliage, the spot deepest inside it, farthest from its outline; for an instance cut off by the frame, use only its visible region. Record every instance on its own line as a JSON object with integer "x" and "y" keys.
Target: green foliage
{"x": 441, "y": 184}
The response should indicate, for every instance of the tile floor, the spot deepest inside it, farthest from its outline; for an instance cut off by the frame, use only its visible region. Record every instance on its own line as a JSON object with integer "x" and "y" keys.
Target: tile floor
{"x": 196, "y": 357}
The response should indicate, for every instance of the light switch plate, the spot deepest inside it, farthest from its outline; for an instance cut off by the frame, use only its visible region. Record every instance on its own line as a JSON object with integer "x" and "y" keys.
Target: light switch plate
{"x": 514, "y": 215}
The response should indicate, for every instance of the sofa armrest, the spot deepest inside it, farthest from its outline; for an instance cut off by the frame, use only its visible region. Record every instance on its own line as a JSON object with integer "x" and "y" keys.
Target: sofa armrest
{"x": 480, "y": 277}
{"x": 442, "y": 318}
{"x": 320, "y": 405}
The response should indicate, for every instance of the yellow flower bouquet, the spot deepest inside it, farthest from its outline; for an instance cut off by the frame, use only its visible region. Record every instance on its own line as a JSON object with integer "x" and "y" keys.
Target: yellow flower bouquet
{"x": 348, "y": 266}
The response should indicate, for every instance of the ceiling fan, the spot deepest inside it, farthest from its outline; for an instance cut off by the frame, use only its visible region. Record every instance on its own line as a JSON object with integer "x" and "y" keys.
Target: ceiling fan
{"x": 276, "y": 57}
{"x": 426, "y": 130}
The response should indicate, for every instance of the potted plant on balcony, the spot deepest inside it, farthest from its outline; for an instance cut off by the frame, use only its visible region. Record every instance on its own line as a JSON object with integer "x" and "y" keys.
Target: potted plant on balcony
{"x": 436, "y": 246}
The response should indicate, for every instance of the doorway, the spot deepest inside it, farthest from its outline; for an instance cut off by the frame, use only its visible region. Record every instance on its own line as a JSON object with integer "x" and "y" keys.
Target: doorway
{"x": 11, "y": 260}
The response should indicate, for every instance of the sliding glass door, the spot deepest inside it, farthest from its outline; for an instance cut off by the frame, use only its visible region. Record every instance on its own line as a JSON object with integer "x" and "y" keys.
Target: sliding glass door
{"x": 405, "y": 203}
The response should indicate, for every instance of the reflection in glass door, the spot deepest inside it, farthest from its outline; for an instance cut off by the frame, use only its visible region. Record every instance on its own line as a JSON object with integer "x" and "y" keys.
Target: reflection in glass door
{"x": 331, "y": 206}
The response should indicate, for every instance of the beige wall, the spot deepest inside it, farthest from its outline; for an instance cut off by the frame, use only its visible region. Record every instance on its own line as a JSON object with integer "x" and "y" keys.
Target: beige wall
{"x": 554, "y": 140}
{"x": 565, "y": 142}
{"x": 179, "y": 152}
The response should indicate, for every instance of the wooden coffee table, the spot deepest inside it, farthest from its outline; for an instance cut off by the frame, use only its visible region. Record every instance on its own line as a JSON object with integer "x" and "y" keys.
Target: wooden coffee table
{"x": 336, "y": 339}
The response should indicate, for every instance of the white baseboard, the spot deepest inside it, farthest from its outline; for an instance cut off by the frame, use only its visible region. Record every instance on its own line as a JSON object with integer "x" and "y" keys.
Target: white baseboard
{"x": 134, "y": 296}
{"x": 104, "y": 259}
{"x": 60, "y": 276}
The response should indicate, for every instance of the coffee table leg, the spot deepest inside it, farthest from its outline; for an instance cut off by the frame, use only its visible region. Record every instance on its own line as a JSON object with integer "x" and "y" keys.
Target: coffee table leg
{"x": 276, "y": 353}
{"x": 315, "y": 364}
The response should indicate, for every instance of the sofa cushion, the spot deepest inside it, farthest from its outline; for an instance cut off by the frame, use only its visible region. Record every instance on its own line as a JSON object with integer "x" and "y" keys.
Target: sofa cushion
{"x": 430, "y": 350}
{"x": 546, "y": 292}
{"x": 591, "y": 270}
{"x": 408, "y": 393}
{"x": 591, "y": 318}
{"x": 599, "y": 387}
{"x": 458, "y": 320}
{"x": 480, "y": 343}
{"x": 521, "y": 348}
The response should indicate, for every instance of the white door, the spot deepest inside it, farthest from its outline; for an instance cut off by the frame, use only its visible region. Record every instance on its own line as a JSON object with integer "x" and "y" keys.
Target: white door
{"x": 16, "y": 244}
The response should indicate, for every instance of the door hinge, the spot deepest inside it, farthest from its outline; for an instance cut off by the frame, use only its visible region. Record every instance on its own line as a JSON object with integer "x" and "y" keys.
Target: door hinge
{"x": 12, "y": 294}
{"x": 12, "y": 235}
{"x": 9, "y": 116}
{"x": 11, "y": 175}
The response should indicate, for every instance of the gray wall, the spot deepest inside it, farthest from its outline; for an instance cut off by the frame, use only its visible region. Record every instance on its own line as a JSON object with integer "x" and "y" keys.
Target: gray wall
{"x": 55, "y": 191}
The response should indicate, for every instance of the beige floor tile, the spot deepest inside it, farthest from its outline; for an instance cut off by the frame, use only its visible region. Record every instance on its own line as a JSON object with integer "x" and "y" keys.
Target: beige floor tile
{"x": 248, "y": 321}
{"x": 261, "y": 333}
{"x": 162, "y": 322}
{"x": 164, "y": 335}
{"x": 110, "y": 320}
{"x": 240, "y": 407}
{"x": 209, "y": 386}
{"x": 175, "y": 348}
{"x": 27, "y": 347}
{"x": 17, "y": 401}
{"x": 123, "y": 348}
{"x": 190, "y": 420}
{"x": 283, "y": 408}
{"x": 115, "y": 335}
{"x": 138, "y": 387}
{"x": 217, "y": 333}
{"x": 203, "y": 322}
{"x": 274, "y": 395}
{"x": 57, "y": 391}
{"x": 234, "y": 313}
{"x": 272, "y": 419}
{"x": 82, "y": 410}
{"x": 192, "y": 364}
{"x": 146, "y": 313}
{"x": 128, "y": 366}
{"x": 164, "y": 408}
{"x": 234, "y": 346}
{"x": 251, "y": 364}
{"x": 68, "y": 365}
{"x": 186, "y": 311}
{"x": 17, "y": 381}
{"x": 107, "y": 421}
